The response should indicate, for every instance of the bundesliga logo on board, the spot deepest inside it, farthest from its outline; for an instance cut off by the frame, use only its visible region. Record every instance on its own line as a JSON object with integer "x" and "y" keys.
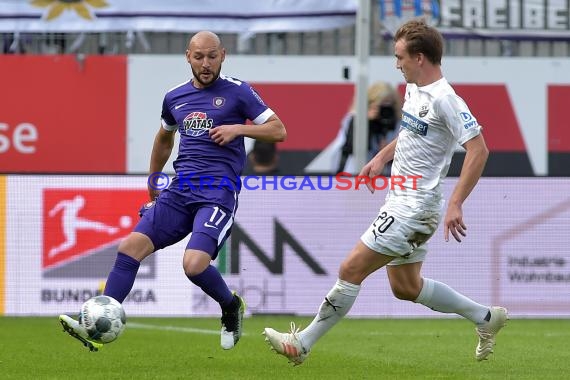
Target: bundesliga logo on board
{"x": 80, "y": 226}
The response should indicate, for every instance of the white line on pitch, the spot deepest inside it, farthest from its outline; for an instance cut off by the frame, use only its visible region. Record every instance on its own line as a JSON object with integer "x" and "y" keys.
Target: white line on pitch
{"x": 173, "y": 328}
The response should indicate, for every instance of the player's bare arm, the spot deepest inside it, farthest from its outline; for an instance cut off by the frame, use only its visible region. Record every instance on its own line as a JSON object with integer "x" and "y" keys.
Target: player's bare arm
{"x": 473, "y": 165}
{"x": 272, "y": 130}
{"x": 375, "y": 166}
{"x": 161, "y": 150}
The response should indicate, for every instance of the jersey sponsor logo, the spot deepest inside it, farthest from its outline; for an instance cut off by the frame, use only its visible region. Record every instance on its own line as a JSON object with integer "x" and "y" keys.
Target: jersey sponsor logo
{"x": 413, "y": 124}
{"x": 424, "y": 109}
{"x": 468, "y": 120}
{"x": 197, "y": 123}
{"x": 83, "y": 228}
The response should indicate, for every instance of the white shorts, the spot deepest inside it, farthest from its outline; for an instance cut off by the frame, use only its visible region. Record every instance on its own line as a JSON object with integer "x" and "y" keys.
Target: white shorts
{"x": 402, "y": 231}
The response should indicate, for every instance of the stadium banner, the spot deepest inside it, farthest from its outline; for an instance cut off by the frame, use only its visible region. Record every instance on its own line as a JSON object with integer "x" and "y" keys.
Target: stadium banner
{"x": 2, "y": 243}
{"x": 520, "y": 118}
{"x": 289, "y": 238}
{"x": 505, "y": 19}
{"x": 223, "y": 16}
{"x": 82, "y": 110}
{"x": 513, "y": 19}
{"x": 113, "y": 102}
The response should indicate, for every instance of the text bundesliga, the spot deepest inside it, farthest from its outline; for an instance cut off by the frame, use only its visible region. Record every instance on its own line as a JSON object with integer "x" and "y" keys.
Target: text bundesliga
{"x": 340, "y": 181}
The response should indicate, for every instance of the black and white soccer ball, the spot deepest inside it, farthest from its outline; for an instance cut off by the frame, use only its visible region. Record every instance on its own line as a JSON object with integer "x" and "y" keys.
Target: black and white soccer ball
{"x": 104, "y": 318}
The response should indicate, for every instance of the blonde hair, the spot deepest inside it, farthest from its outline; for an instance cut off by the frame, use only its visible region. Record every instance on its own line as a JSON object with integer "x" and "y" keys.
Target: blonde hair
{"x": 382, "y": 92}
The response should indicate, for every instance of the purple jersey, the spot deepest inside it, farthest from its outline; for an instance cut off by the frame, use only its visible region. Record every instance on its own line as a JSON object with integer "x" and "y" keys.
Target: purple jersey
{"x": 193, "y": 112}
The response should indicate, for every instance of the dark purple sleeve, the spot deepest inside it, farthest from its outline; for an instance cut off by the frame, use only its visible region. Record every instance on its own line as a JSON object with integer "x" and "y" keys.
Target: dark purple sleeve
{"x": 253, "y": 104}
{"x": 166, "y": 115}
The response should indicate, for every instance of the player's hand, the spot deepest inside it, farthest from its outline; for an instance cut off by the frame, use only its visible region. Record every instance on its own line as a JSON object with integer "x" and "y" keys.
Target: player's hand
{"x": 224, "y": 134}
{"x": 371, "y": 170}
{"x": 153, "y": 193}
{"x": 454, "y": 223}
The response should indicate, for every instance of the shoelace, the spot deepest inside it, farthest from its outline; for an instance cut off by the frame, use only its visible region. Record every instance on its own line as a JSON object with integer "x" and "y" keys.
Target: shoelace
{"x": 484, "y": 334}
{"x": 294, "y": 330}
{"x": 292, "y": 352}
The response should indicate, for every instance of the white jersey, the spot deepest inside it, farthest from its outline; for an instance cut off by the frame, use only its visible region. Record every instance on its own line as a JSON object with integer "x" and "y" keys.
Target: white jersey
{"x": 434, "y": 120}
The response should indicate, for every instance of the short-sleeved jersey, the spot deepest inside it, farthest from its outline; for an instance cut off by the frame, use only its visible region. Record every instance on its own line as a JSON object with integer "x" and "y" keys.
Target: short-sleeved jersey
{"x": 193, "y": 112}
{"x": 434, "y": 120}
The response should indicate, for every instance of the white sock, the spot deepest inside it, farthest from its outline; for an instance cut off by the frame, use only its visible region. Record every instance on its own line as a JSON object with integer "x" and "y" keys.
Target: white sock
{"x": 440, "y": 297}
{"x": 336, "y": 305}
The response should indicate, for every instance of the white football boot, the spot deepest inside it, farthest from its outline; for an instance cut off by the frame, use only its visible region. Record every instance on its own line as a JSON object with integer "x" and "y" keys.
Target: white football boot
{"x": 489, "y": 331}
{"x": 287, "y": 344}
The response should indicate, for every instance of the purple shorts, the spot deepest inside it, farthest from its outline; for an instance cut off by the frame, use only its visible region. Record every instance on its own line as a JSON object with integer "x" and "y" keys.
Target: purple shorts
{"x": 208, "y": 215}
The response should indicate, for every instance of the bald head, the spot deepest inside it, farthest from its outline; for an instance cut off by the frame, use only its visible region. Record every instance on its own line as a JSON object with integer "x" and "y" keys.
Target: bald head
{"x": 205, "y": 54}
{"x": 205, "y": 37}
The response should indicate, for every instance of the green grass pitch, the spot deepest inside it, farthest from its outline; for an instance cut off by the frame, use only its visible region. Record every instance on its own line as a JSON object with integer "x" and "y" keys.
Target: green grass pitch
{"x": 188, "y": 348}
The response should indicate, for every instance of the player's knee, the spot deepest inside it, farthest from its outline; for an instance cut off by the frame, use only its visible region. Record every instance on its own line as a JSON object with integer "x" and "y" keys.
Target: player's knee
{"x": 405, "y": 292}
{"x": 136, "y": 245}
{"x": 192, "y": 269}
{"x": 195, "y": 262}
{"x": 351, "y": 272}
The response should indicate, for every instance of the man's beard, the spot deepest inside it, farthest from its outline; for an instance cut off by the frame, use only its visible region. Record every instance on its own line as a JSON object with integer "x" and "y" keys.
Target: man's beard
{"x": 215, "y": 76}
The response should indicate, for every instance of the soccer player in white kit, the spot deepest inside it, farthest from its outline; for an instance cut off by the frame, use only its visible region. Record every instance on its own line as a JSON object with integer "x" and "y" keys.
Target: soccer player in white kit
{"x": 434, "y": 120}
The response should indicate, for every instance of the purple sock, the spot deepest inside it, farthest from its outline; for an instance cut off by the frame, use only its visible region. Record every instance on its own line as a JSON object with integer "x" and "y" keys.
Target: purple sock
{"x": 122, "y": 277}
{"x": 212, "y": 283}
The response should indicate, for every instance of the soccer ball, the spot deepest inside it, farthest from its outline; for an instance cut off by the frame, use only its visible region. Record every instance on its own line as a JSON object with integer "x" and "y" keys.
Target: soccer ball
{"x": 104, "y": 318}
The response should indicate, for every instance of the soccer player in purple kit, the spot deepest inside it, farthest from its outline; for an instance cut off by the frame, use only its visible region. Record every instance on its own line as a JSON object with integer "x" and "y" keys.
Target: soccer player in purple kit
{"x": 210, "y": 112}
